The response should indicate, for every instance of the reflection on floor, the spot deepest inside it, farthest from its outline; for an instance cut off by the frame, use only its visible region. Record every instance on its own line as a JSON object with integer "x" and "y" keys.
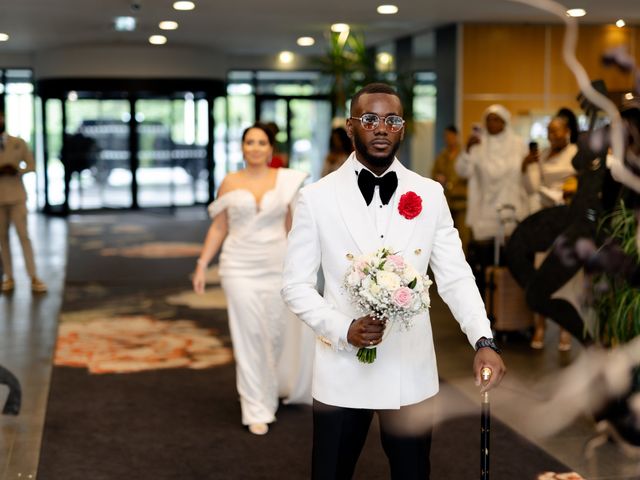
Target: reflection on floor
{"x": 28, "y": 326}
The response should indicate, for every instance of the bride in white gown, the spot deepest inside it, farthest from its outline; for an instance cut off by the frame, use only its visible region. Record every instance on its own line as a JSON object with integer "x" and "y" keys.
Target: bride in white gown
{"x": 250, "y": 220}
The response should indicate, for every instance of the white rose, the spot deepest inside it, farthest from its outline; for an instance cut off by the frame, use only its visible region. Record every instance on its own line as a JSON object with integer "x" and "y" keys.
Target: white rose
{"x": 388, "y": 267}
{"x": 388, "y": 280}
{"x": 425, "y": 298}
{"x": 374, "y": 288}
{"x": 409, "y": 273}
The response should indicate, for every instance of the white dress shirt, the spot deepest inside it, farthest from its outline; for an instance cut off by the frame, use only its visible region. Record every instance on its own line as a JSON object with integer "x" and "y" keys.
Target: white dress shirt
{"x": 380, "y": 213}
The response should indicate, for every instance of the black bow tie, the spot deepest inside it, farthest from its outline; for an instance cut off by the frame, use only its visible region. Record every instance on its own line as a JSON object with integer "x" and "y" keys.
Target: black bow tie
{"x": 367, "y": 182}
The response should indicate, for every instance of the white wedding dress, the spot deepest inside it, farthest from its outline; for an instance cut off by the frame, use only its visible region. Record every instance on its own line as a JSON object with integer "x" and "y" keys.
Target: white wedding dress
{"x": 251, "y": 263}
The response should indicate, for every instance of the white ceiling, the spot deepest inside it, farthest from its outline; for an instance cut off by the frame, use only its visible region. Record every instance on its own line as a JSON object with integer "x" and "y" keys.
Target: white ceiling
{"x": 260, "y": 26}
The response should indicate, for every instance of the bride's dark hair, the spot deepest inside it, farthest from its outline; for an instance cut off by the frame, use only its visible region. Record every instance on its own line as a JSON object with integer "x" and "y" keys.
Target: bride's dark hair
{"x": 265, "y": 128}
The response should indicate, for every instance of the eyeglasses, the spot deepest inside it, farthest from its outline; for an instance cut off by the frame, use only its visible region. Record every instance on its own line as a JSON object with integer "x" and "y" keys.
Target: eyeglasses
{"x": 370, "y": 121}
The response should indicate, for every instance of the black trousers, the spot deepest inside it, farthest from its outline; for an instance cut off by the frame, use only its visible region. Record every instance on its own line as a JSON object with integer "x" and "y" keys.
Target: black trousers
{"x": 480, "y": 256}
{"x": 340, "y": 433}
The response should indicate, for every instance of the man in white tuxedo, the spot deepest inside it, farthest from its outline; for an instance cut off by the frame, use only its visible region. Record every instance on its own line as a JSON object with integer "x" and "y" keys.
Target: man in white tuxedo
{"x": 354, "y": 211}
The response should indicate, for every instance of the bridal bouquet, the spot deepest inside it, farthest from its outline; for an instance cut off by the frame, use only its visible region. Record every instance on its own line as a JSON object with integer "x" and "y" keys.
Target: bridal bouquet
{"x": 384, "y": 285}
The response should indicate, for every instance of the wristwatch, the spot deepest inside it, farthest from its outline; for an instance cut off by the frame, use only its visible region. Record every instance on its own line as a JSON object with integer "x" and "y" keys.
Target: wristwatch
{"x": 488, "y": 343}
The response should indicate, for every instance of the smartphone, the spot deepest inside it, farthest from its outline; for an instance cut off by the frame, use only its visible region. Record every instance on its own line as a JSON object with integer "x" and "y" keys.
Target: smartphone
{"x": 476, "y": 130}
{"x": 533, "y": 147}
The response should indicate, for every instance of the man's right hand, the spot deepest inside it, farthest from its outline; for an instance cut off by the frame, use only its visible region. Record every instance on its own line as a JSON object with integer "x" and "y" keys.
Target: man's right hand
{"x": 366, "y": 331}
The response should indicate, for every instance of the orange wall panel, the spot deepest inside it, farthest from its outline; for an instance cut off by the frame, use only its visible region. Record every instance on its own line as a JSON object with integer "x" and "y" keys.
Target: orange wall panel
{"x": 593, "y": 41}
{"x": 503, "y": 58}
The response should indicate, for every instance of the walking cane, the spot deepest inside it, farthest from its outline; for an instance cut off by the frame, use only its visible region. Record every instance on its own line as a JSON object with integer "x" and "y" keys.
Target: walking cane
{"x": 485, "y": 427}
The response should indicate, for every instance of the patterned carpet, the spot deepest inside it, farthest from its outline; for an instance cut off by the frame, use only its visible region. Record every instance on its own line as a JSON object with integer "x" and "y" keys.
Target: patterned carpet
{"x": 144, "y": 384}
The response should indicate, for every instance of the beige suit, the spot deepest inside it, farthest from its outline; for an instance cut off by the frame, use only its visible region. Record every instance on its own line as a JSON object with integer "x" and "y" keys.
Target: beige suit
{"x": 13, "y": 197}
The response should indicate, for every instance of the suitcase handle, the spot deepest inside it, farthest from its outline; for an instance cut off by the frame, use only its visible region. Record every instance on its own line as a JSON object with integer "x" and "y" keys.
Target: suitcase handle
{"x": 506, "y": 214}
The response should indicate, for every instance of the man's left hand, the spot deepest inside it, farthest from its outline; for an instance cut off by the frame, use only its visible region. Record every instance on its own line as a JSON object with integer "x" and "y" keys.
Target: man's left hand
{"x": 486, "y": 357}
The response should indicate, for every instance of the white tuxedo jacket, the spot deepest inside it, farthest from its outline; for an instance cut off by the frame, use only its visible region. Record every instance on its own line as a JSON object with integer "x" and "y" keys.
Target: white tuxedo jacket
{"x": 332, "y": 222}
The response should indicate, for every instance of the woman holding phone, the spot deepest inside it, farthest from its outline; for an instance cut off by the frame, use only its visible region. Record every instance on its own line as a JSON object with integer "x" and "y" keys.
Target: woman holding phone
{"x": 545, "y": 175}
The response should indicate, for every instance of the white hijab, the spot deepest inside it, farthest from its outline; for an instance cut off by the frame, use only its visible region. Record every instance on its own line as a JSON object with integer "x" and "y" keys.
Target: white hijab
{"x": 497, "y": 179}
{"x": 500, "y": 149}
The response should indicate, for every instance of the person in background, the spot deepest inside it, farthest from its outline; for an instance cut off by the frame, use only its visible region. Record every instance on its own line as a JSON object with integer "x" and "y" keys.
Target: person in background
{"x": 279, "y": 159}
{"x": 340, "y": 147}
{"x": 492, "y": 163}
{"x": 455, "y": 187}
{"x": 15, "y": 160}
{"x": 545, "y": 175}
{"x": 250, "y": 220}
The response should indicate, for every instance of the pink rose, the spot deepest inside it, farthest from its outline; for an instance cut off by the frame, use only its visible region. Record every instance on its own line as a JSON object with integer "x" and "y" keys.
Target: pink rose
{"x": 397, "y": 261}
{"x": 403, "y": 297}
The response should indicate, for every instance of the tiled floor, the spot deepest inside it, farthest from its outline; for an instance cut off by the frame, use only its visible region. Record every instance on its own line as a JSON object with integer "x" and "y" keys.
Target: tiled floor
{"x": 27, "y": 334}
{"x": 28, "y": 329}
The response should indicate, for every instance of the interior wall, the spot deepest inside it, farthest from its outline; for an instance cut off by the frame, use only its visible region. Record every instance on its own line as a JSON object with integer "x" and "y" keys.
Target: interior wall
{"x": 521, "y": 67}
{"x": 16, "y": 60}
{"x": 130, "y": 62}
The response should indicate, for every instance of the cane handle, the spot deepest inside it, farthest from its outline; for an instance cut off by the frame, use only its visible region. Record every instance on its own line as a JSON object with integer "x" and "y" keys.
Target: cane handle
{"x": 485, "y": 374}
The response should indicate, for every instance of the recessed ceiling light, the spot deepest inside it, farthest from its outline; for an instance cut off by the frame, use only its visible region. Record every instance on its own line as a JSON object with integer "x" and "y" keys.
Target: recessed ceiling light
{"x": 157, "y": 39}
{"x": 620, "y": 23}
{"x": 168, "y": 25}
{"x": 305, "y": 41}
{"x": 340, "y": 27}
{"x": 124, "y": 24}
{"x": 285, "y": 57}
{"x": 387, "y": 9}
{"x": 184, "y": 5}
{"x": 576, "y": 12}
{"x": 4, "y": 37}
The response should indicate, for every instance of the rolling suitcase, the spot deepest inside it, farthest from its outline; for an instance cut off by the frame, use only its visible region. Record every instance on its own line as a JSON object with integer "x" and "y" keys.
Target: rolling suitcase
{"x": 505, "y": 300}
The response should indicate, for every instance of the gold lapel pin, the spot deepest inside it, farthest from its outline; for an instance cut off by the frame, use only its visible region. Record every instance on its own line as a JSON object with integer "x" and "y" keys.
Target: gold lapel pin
{"x": 349, "y": 256}
{"x": 417, "y": 251}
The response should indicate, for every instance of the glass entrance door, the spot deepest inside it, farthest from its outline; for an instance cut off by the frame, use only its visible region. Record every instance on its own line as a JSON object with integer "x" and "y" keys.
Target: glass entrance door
{"x": 172, "y": 138}
{"x": 95, "y": 153}
{"x": 305, "y": 128}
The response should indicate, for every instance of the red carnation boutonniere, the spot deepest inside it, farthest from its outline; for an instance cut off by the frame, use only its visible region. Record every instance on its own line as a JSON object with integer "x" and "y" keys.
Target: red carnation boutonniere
{"x": 410, "y": 205}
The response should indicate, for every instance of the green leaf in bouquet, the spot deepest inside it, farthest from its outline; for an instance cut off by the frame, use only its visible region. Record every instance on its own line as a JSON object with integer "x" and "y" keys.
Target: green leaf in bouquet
{"x": 413, "y": 283}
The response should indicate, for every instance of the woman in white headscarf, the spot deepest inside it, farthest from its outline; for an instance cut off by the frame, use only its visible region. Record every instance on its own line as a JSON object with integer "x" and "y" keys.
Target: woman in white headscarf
{"x": 492, "y": 164}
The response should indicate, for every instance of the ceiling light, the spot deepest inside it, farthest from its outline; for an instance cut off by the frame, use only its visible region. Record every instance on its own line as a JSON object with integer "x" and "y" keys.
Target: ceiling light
{"x": 157, "y": 39}
{"x": 72, "y": 96}
{"x": 285, "y": 57}
{"x": 168, "y": 25}
{"x": 387, "y": 9}
{"x": 628, "y": 96}
{"x": 184, "y": 5}
{"x": 340, "y": 27}
{"x": 620, "y": 23}
{"x": 4, "y": 37}
{"x": 576, "y": 12}
{"x": 384, "y": 58}
{"x": 305, "y": 41}
{"x": 124, "y": 24}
